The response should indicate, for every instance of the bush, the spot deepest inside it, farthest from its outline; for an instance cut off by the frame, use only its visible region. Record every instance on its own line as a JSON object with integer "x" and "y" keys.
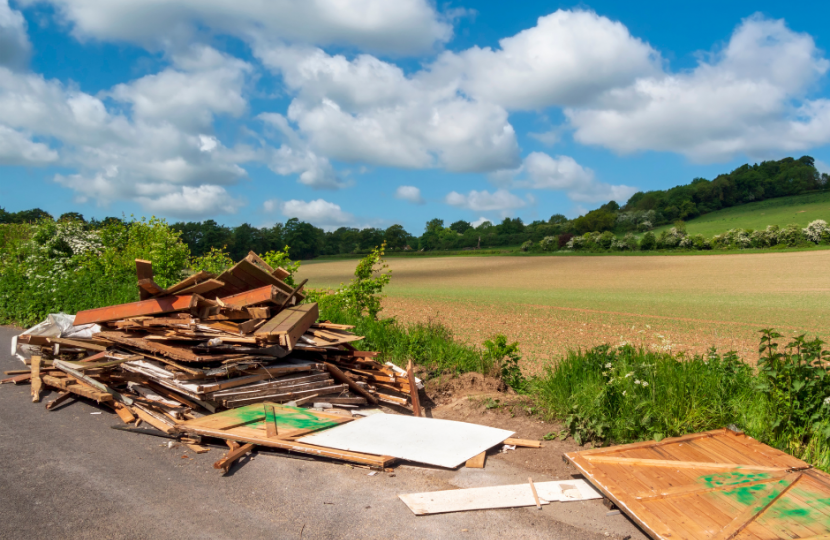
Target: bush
{"x": 563, "y": 239}
{"x": 548, "y": 243}
{"x": 792, "y": 236}
{"x": 605, "y": 240}
{"x": 817, "y": 231}
{"x": 527, "y": 245}
{"x": 648, "y": 242}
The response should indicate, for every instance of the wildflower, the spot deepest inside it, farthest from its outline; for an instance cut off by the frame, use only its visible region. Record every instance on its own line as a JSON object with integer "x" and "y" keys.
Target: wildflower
{"x": 624, "y": 392}
{"x": 827, "y": 400}
{"x": 636, "y": 381}
{"x": 608, "y": 365}
{"x": 645, "y": 384}
{"x": 627, "y": 375}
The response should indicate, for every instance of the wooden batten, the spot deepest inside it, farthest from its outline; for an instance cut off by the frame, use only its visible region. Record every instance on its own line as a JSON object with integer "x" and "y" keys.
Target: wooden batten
{"x": 289, "y": 324}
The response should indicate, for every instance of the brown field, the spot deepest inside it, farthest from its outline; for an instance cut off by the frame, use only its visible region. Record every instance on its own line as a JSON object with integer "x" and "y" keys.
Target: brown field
{"x": 552, "y": 304}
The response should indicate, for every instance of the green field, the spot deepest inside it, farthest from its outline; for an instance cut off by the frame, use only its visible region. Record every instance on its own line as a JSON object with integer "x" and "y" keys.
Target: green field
{"x": 800, "y": 209}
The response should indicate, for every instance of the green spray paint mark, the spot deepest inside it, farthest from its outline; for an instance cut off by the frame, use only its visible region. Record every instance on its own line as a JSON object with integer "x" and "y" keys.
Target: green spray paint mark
{"x": 732, "y": 478}
{"x": 253, "y": 416}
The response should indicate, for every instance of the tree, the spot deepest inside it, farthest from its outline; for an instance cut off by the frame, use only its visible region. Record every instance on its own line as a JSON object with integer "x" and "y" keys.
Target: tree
{"x": 557, "y": 219}
{"x": 396, "y": 237}
{"x": 461, "y": 226}
{"x": 304, "y": 239}
{"x": 72, "y": 216}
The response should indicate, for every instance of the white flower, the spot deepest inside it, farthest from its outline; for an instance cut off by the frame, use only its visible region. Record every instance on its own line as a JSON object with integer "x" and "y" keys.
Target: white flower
{"x": 636, "y": 381}
{"x": 608, "y": 365}
{"x": 645, "y": 384}
{"x": 623, "y": 392}
{"x": 827, "y": 400}
{"x": 627, "y": 375}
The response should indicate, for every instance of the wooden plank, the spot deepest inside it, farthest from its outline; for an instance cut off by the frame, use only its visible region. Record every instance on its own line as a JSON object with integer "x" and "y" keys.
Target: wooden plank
{"x": 226, "y": 462}
{"x": 198, "y": 448}
{"x": 261, "y": 295}
{"x": 289, "y": 299}
{"x": 188, "y": 282}
{"x": 289, "y": 324}
{"x": 153, "y": 306}
{"x": 752, "y": 512}
{"x": 66, "y": 368}
{"x": 144, "y": 272}
{"x": 696, "y": 489}
{"x": 155, "y": 420}
{"x": 595, "y": 458}
{"x": 37, "y": 384}
{"x": 476, "y": 462}
{"x": 341, "y": 377}
{"x": 79, "y": 389}
{"x": 147, "y": 288}
{"x": 203, "y": 287}
{"x": 284, "y": 397}
{"x": 62, "y": 397}
{"x": 413, "y": 391}
{"x": 17, "y": 378}
{"x": 79, "y": 344}
{"x": 524, "y": 442}
{"x": 124, "y": 413}
{"x": 535, "y": 495}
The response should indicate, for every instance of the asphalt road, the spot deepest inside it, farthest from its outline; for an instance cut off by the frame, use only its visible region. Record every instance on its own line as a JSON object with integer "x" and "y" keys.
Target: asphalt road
{"x": 67, "y": 474}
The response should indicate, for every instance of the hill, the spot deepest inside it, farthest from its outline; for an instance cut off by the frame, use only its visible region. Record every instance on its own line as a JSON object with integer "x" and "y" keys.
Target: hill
{"x": 800, "y": 209}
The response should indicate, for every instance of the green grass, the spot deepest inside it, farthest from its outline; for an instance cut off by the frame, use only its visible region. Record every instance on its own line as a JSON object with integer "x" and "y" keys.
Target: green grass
{"x": 800, "y": 209}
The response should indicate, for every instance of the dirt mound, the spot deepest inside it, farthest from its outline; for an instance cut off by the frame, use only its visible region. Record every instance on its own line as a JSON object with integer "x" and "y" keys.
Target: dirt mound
{"x": 442, "y": 390}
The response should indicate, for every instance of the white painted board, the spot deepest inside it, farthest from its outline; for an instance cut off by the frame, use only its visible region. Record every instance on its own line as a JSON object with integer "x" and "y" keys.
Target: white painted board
{"x": 493, "y": 497}
{"x": 444, "y": 443}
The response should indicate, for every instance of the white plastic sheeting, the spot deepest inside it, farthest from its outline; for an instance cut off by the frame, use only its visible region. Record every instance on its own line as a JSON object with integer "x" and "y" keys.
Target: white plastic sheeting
{"x": 426, "y": 440}
{"x": 55, "y": 325}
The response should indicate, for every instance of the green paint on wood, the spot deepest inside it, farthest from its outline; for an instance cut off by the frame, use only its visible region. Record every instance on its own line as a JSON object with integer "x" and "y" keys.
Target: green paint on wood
{"x": 253, "y": 416}
{"x": 732, "y": 478}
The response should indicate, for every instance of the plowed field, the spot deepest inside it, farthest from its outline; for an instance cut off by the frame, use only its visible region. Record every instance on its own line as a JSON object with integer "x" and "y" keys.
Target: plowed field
{"x": 551, "y": 304}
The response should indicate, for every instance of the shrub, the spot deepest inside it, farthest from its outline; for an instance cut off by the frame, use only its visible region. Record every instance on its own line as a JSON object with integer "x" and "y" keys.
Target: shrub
{"x": 627, "y": 243}
{"x": 527, "y": 245}
{"x": 548, "y": 243}
{"x": 280, "y": 259}
{"x": 214, "y": 261}
{"x": 563, "y": 239}
{"x": 700, "y": 242}
{"x": 817, "y": 231}
{"x": 792, "y": 236}
{"x": 648, "y": 242}
{"x": 605, "y": 240}
{"x": 362, "y": 296}
{"x": 576, "y": 243}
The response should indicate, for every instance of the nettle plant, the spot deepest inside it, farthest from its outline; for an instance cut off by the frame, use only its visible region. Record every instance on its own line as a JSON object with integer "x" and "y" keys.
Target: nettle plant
{"x": 797, "y": 386}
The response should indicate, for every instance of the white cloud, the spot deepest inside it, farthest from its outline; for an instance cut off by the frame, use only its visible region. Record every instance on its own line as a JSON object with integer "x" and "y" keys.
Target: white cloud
{"x": 409, "y": 193}
{"x": 18, "y": 149}
{"x": 568, "y": 58}
{"x": 548, "y": 138}
{"x": 367, "y": 110}
{"x": 741, "y": 100}
{"x": 193, "y": 202}
{"x": 484, "y": 201}
{"x": 399, "y": 27}
{"x": 319, "y": 212}
{"x": 478, "y": 222}
{"x": 14, "y": 43}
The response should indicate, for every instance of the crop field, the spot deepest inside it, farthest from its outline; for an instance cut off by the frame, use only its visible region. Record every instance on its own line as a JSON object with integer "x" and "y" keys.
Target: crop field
{"x": 551, "y": 304}
{"x": 799, "y": 209}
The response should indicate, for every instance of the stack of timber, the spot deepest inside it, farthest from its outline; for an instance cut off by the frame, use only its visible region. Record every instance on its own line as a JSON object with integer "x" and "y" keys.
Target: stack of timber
{"x": 212, "y": 343}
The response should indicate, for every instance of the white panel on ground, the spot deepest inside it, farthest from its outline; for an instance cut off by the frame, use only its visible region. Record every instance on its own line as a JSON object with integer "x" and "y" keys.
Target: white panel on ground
{"x": 487, "y": 498}
{"x": 426, "y": 440}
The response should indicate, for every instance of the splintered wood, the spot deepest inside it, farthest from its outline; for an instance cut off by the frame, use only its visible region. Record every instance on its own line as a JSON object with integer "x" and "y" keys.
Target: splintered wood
{"x": 223, "y": 344}
{"x": 716, "y": 485}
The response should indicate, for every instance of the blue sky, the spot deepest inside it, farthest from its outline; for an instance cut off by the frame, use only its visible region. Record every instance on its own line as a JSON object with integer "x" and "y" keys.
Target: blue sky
{"x": 369, "y": 113}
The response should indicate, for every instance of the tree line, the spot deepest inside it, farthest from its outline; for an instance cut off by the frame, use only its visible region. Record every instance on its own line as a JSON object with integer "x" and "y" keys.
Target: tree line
{"x": 642, "y": 212}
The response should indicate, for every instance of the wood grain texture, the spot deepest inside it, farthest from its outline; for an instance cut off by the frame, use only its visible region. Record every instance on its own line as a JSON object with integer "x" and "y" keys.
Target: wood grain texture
{"x": 714, "y": 485}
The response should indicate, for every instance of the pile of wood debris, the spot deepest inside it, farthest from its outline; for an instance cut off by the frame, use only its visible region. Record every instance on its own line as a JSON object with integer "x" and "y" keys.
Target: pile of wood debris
{"x": 213, "y": 343}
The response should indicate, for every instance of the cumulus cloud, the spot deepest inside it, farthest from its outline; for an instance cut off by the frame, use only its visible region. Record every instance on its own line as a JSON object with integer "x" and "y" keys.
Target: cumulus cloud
{"x": 148, "y": 157}
{"x": 478, "y": 222}
{"x": 409, "y": 193}
{"x": 367, "y": 110}
{"x": 193, "y": 202}
{"x": 568, "y": 58}
{"x": 742, "y": 99}
{"x": 483, "y": 201}
{"x": 14, "y": 43}
{"x": 563, "y": 173}
{"x": 18, "y": 149}
{"x": 319, "y": 212}
{"x": 402, "y": 26}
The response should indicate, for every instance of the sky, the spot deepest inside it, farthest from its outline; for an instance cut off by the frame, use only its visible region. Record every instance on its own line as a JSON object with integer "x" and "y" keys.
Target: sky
{"x": 368, "y": 113}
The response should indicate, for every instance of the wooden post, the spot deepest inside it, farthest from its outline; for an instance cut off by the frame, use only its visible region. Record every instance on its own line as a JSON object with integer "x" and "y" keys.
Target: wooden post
{"x": 535, "y": 495}
{"x": 37, "y": 384}
{"x": 413, "y": 390}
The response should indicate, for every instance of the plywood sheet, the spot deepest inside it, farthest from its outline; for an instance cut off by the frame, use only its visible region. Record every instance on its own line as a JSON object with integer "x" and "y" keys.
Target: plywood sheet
{"x": 426, "y": 440}
{"x": 486, "y": 498}
{"x": 713, "y": 485}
